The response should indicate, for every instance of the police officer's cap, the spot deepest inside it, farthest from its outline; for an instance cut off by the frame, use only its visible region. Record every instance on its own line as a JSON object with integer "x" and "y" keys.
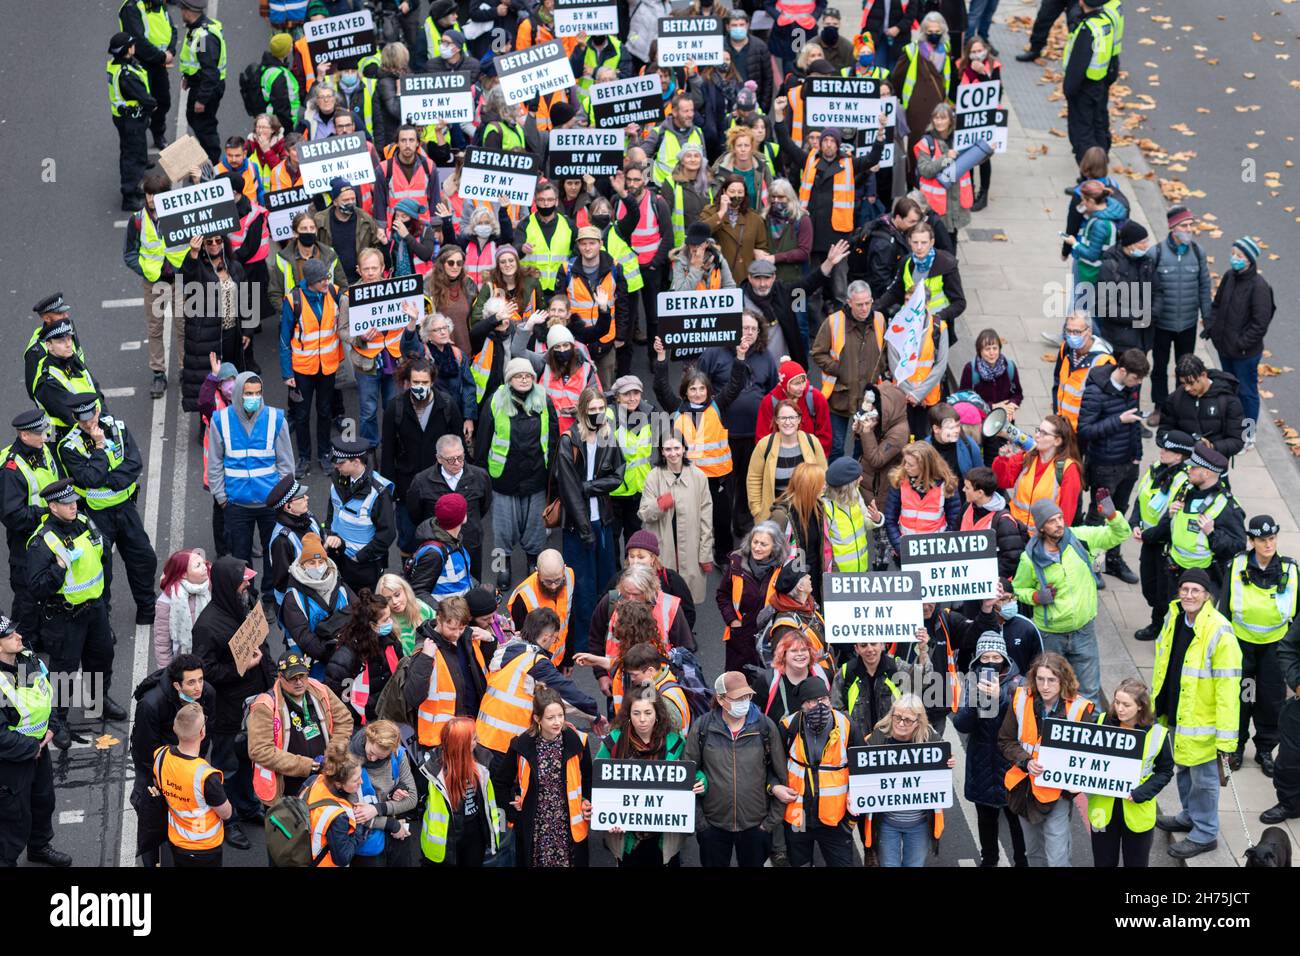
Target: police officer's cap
{"x": 1262, "y": 526}
{"x": 56, "y": 330}
{"x": 347, "y": 450}
{"x": 1173, "y": 440}
{"x": 7, "y": 625}
{"x": 86, "y": 410}
{"x": 120, "y": 43}
{"x": 60, "y": 490}
{"x": 1209, "y": 459}
{"x": 199, "y": 5}
{"x": 31, "y": 421}
{"x": 285, "y": 490}
{"x": 51, "y": 303}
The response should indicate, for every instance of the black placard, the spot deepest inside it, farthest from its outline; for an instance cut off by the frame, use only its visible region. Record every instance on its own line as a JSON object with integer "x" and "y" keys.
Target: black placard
{"x": 204, "y": 209}
{"x": 617, "y": 103}
{"x": 578, "y": 152}
{"x": 341, "y": 40}
{"x": 690, "y": 322}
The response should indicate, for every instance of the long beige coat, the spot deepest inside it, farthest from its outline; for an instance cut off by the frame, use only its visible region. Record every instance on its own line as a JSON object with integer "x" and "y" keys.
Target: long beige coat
{"x": 692, "y": 546}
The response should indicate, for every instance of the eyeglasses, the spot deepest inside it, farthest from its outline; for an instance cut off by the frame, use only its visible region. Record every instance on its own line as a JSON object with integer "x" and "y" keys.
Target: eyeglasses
{"x": 212, "y": 242}
{"x": 905, "y": 721}
{"x": 1040, "y": 430}
{"x": 787, "y": 420}
{"x": 457, "y": 263}
{"x": 451, "y": 459}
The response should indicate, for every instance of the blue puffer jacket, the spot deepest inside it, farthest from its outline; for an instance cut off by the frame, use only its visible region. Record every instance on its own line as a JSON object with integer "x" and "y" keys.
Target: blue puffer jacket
{"x": 985, "y": 765}
{"x": 1107, "y": 439}
{"x": 1182, "y": 289}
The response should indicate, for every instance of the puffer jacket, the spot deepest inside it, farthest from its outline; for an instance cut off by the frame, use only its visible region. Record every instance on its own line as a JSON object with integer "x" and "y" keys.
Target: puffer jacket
{"x": 737, "y": 771}
{"x": 985, "y": 765}
{"x": 1243, "y": 309}
{"x": 1124, "y": 318}
{"x": 1182, "y": 289}
{"x": 1108, "y": 440}
{"x": 879, "y": 253}
{"x": 1216, "y": 415}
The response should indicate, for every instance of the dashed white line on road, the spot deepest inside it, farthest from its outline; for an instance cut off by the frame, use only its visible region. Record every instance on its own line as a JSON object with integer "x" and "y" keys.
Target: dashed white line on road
{"x": 131, "y": 346}
{"x": 72, "y": 816}
{"x": 122, "y": 303}
{"x": 125, "y": 392}
{"x": 121, "y": 223}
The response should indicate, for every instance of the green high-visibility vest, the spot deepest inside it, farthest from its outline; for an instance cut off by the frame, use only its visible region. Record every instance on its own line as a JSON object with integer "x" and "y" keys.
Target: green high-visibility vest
{"x": 622, "y": 253}
{"x": 83, "y": 577}
{"x": 914, "y": 65}
{"x": 158, "y": 29}
{"x": 679, "y": 216}
{"x": 1103, "y": 45}
{"x": 368, "y": 103}
{"x": 1188, "y": 545}
{"x": 46, "y": 473}
{"x": 933, "y": 284}
{"x": 97, "y": 499}
{"x": 591, "y": 60}
{"x": 433, "y": 36}
{"x": 500, "y": 446}
{"x": 670, "y": 145}
{"x": 33, "y": 701}
{"x": 82, "y": 384}
{"x": 153, "y": 252}
{"x": 1115, "y": 10}
{"x": 273, "y": 73}
{"x": 1138, "y": 817}
{"x": 636, "y": 444}
{"x": 116, "y": 101}
{"x": 197, "y": 37}
{"x": 1261, "y": 615}
{"x": 851, "y": 696}
{"x": 512, "y": 135}
{"x": 437, "y": 817}
{"x": 547, "y": 258}
{"x": 847, "y": 530}
{"x": 1152, "y": 502}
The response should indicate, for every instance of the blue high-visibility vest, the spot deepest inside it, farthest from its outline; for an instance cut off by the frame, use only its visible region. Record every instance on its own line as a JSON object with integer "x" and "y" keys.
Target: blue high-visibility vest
{"x": 249, "y": 460}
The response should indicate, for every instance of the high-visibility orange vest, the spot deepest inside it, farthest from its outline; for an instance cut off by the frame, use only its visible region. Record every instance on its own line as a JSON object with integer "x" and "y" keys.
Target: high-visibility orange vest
{"x": 308, "y": 77}
{"x": 707, "y": 446}
{"x": 191, "y": 823}
{"x": 970, "y": 523}
{"x": 392, "y": 340}
{"x": 664, "y": 613}
{"x": 439, "y": 704}
{"x": 925, "y": 361}
{"x": 866, "y": 827}
{"x": 240, "y": 235}
{"x": 838, "y": 322}
{"x": 827, "y": 777}
{"x": 416, "y": 188}
{"x": 249, "y": 186}
{"x": 264, "y": 778}
{"x": 936, "y": 193}
{"x": 921, "y": 515}
{"x": 507, "y": 707}
{"x": 738, "y": 589}
{"x": 582, "y": 300}
{"x": 1069, "y": 388}
{"x": 842, "y": 189}
{"x": 282, "y": 178}
{"x": 670, "y": 690}
{"x": 564, "y": 392}
{"x": 1023, "y": 707}
{"x": 795, "y": 97}
{"x": 796, "y": 11}
{"x": 1028, "y": 491}
{"x": 578, "y": 827}
{"x": 323, "y": 817}
{"x": 542, "y": 112}
{"x": 530, "y": 592}
{"x": 645, "y": 237}
{"x": 316, "y": 347}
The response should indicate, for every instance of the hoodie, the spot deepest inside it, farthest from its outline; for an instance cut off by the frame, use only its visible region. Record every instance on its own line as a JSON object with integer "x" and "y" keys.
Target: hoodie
{"x": 284, "y": 461}
{"x": 424, "y": 574}
{"x": 212, "y": 633}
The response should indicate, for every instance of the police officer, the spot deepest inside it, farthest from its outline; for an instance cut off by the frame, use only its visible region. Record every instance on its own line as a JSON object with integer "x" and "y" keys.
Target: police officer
{"x": 28, "y": 466}
{"x": 293, "y": 519}
{"x": 26, "y": 772}
{"x": 1162, "y": 482}
{"x": 52, "y": 309}
{"x": 103, "y": 461}
{"x": 203, "y": 74}
{"x": 1204, "y": 526}
{"x": 131, "y": 104}
{"x": 63, "y": 380}
{"x": 1089, "y": 63}
{"x": 155, "y": 47}
{"x": 65, "y": 573}
{"x": 1260, "y": 600}
{"x": 360, "y": 521}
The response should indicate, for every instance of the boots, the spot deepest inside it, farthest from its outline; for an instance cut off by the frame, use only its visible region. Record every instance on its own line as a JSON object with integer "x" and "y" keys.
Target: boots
{"x": 1117, "y": 568}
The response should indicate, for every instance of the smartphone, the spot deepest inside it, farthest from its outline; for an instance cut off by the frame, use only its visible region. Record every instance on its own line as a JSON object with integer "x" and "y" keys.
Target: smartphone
{"x": 988, "y": 675}
{"x": 1144, "y": 415}
{"x": 1064, "y": 235}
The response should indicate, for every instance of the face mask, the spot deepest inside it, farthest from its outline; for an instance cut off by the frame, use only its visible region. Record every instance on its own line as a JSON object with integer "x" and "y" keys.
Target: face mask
{"x": 349, "y": 82}
{"x": 593, "y": 421}
{"x": 738, "y": 708}
{"x": 383, "y": 630}
{"x": 1074, "y": 341}
{"x": 1182, "y": 238}
{"x": 934, "y": 39}
{"x": 818, "y": 718}
{"x": 600, "y": 222}
{"x": 866, "y": 60}
{"x": 545, "y": 212}
{"x": 420, "y": 392}
{"x": 448, "y": 52}
{"x": 252, "y": 403}
{"x": 347, "y": 208}
{"x": 777, "y": 210}
{"x": 738, "y": 33}
{"x": 315, "y": 572}
{"x": 1138, "y": 254}
{"x": 830, "y": 35}
{"x": 482, "y": 231}
{"x": 307, "y": 239}
{"x": 1009, "y": 610}
{"x": 979, "y": 56}
{"x": 1238, "y": 264}
{"x": 186, "y": 697}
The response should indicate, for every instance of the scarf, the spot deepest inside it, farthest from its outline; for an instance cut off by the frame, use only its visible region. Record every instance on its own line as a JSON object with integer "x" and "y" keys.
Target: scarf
{"x": 444, "y": 359}
{"x": 989, "y": 372}
{"x": 402, "y": 259}
{"x": 937, "y": 55}
{"x": 924, "y": 263}
{"x": 180, "y": 618}
{"x": 322, "y": 588}
{"x": 760, "y": 569}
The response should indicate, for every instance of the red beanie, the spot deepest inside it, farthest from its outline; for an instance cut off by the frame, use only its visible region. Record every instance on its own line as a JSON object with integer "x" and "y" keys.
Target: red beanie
{"x": 450, "y": 511}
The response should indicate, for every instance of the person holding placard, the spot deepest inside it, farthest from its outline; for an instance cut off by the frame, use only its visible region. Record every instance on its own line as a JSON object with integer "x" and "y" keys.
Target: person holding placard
{"x": 933, "y": 153}
{"x": 816, "y": 740}
{"x": 980, "y": 65}
{"x": 211, "y": 265}
{"x": 1051, "y": 690}
{"x": 925, "y": 77}
{"x": 924, "y": 496}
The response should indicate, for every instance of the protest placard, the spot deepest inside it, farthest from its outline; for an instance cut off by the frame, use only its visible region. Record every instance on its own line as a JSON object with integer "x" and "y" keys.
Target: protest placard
{"x": 248, "y": 638}
{"x": 866, "y": 137}
{"x": 978, "y": 116}
{"x": 649, "y": 796}
{"x": 536, "y": 71}
{"x": 872, "y": 607}
{"x": 685, "y": 40}
{"x": 204, "y": 209}
{"x": 182, "y": 158}
{"x": 488, "y": 173}
{"x": 341, "y": 40}
{"x": 579, "y": 152}
{"x": 887, "y": 777}
{"x": 617, "y": 103}
{"x": 344, "y": 157}
{"x": 428, "y": 98}
{"x": 690, "y": 322}
{"x": 377, "y": 306}
{"x": 282, "y": 205}
{"x": 954, "y": 565}
{"x": 1087, "y": 757}
{"x": 851, "y": 102}
{"x": 592, "y": 17}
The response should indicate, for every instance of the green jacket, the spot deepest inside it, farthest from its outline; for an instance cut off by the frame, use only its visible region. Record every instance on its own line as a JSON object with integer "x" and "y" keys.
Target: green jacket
{"x": 1076, "y": 588}
{"x": 1209, "y": 687}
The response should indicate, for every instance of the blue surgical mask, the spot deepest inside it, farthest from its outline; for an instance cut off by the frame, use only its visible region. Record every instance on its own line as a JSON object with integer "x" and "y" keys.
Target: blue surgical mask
{"x": 866, "y": 60}
{"x": 1009, "y": 610}
{"x": 1138, "y": 254}
{"x": 252, "y": 403}
{"x": 349, "y": 81}
{"x": 1238, "y": 264}
{"x": 385, "y": 629}
{"x": 187, "y": 698}
{"x": 1074, "y": 341}
{"x": 738, "y": 33}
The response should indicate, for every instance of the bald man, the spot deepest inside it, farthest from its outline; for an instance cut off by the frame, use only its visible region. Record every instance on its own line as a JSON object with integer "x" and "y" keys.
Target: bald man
{"x": 551, "y": 585}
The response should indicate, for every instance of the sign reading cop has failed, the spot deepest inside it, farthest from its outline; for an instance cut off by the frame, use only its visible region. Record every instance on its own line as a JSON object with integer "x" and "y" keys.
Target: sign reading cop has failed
{"x": 847, "y": 101}
{"x": 533, "y": 72}
{"x": 616, "y": 103}
{"x": 204, "y": 209}
{"x": 650, "y": 796}
{"x": 428, "y": 98}
{"x": 954, "y": 565}
{"x": 578, "y": 152}
{"x": 1090, "y": 758}
{"x": 685, "y": 40}
{"x": 690, "y": 322}
{"x": 872, "y": 607}
{"x": 987, "y": 126}
{"x": 345, "y": 157}
{"x": 341, "y": 40}
{"x": 377, "y": 306}
{"x": 900, "y": 777}
{"x": 592, "y": 17}
{"x": 489, "y": 174}
{"x": 868, "y": 135}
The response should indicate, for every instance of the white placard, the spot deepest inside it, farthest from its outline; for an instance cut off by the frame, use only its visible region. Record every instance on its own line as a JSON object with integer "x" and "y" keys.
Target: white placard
{"x": 972, "y": 97}
{"x": 592, "y": 17}
{"x": 488, "y": 174}
{"x": 988, "y": 126}
{"x": 377, "y": 306}
{"x": 1087, "y": 757}
{"x": 536, "y": 71}
{"x": 690, "y": 322}
{"x": 685, "y": 40}
{"x": 867, "y": 135}
{"x": 428, "y": 98}
{"x": 845, "y": 102}
{"x": 322, "y": 160}
{"x": 639, "y": 99}
{"x": 649, "y": 796}
{"x": 954, "y": 565}
{"x": 282, "y": 206}
{"x": 872, "y": 607}
{"x": 888, "y": 777}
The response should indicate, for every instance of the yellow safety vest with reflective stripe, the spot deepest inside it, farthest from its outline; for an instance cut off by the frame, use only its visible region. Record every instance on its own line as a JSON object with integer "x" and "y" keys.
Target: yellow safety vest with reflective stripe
{"x": 500, "y": 446}
{"x": 269, "y": 77}
{"x": 636, "y": 445}
{"x": 83, "y": 384}
{"x": 594, "y": 60}
{"x": 37, "y": 478}
{"x": 83, "y": 577}
{"x": 851, "y": 695}
{"x": 437, "y": 816}
{"x": 158, "y": 29}
{"x": 1261, "y": 615}
{"x": 622, "y": 253}
{"x": 512, "y": 135}
{"x": 933, "y": 286}
{"x": 1115, "y": 10}
{"x": 97, "y": 499}
{"x": 1138, "y": 817}
{"x": 846, "y": 529}
{"x": 1152, "y": 502}
{"x": 190, "y": 61}
{"x": 433, "y": 36}
{"x": 507, "y": 707}
{"x": 116, "y": 101}
{"x": 1208, "y": 711}
{"x": 153, "y": 252}
{"x": 548, "y": 257}
{"x": 913, "y": 67}
{"x": 1189, "y": 547}
{"x": 1103, "y": 30}
{"x": 33, "y": 701}
{"x": 670, "y": 144}
{"x": 679, "y": 216}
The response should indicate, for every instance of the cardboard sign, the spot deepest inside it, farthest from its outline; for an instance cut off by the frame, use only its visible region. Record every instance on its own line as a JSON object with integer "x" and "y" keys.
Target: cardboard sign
{"x": 592, "y": 17}
{"x": 536, "y": 71}
{"x": 685, "y": 40}
{"x": 341, "y": 40}
{"x": 851, "y": 102}
{"x": 248, "y": 638}
{"x": 577, "y": 152}
{"x": 282, "y": 206}
{"x": 489, "y": 173}
{"x": 690, "y": 322}
{"x": 322, "y": 160}
{"x": 182, "y": 158}
{"x": 976, "y": 97}
{"x": 1087, "y": 757}
{"x": 377, "y": 306}
{"x": 954, "y": 565}
{"x": 989, "y": 126}
{"x": 867, "y": 135}
{"x": 427, "y": 98}
{"x": 617, "y": 103}
{"x": 643, "y": 796}
{"x": 204, "y": 209}
{"x": 872, "y": 607}
{"x": 887, "y": 777}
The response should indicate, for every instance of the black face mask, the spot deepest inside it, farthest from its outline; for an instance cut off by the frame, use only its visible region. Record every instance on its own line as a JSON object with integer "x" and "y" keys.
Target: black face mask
{"x": 307, "y": 239}
{"x": 818, "y": 718}
{"x": 545, "y": 212}
{"x": 830, "y": 35}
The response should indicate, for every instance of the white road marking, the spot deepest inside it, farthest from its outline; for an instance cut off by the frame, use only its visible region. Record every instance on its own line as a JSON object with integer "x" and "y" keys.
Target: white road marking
{"x": 968, "y": 862}
{"x": 72, "y": 816}
{"x": 131, "y": 346}
{"x": 125, "y": 392}
{"x": 959, "y": 785}
{"x": 122, "y": 303}
{"x": 121, "y": 223}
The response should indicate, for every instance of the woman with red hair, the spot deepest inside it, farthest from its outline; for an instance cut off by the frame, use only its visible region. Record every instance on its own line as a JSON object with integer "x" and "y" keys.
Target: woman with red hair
{"x": 462, "y": 822}
{"x": 186, "y": 589}
{"x": 793, "y": 661}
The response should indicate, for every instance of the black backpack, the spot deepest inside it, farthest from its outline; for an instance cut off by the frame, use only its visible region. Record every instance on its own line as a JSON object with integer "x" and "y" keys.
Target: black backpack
{"x": 288, "y": 831}
{"x": 250, "y": 89}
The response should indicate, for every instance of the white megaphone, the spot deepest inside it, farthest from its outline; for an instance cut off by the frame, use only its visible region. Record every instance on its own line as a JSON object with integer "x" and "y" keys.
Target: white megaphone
{"x": 996, "y": 424}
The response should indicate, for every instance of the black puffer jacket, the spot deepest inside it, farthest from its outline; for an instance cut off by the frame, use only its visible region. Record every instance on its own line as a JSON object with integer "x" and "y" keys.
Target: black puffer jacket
{"x": 156, "y": 706}
{"x": 878, "y": 254}
{"x": 1117, "y": 314}
{"x": 1107, "y": 439}
{"x": 985, "y": 765}
{"x": 1216, "y": 415}
{"x": 203, "y": 331}
{"x": 1243, "y": 309}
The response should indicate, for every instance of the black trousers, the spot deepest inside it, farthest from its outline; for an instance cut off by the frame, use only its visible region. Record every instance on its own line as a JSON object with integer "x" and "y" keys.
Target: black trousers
{"x": 26, "y": 612}
{"x": 122, "y": 529}
{"x": 836, "y": 844}
{"x": 626, "y": 522}
{"x": 985, "y": 176}
{"x": 1088, "y": 120}
{"x": 1120, "y": 478}
{"x": 204, "y": 126}
{"x": 79, "y": 639}
{"x": 986, "y": 818}
{"x": 357, "y": 576}
{"x": 752, "y": 847}
{"x": 1048, "y": 11}
{"x": 1262, "y": 699}
{"x": 160, "y": 89}
{"x": 742, "y": 449}
{"x": 1116, "y": 839}
{"x": 1183, "y": 343}
{"x": 918, "y": 422}
{"x": 132, "y": 153}
{"x": 650, "y": 308}
{"x": 196, "y": 859}
{"x": 317, "y": 390}
{"x": 1286, "y": 766}
{"x": 720, "y": 493}
{"x": 1151, "y": 571}
{"x": 26, "y": 806}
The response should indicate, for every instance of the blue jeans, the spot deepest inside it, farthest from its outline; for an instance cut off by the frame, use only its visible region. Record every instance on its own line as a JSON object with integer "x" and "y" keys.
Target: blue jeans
{"x": 374, "y": 392}
{"x": 902, "y": 846}
{"x": 980, "y": 18}
{"x": 839, "y": 432}
{"x": 1080, "y": 649}
{"x": 1198, "y": 789}
{"x": 240, "y": 522}
{"x": 1246, "y": 371}
{"x": 591, "y": 567}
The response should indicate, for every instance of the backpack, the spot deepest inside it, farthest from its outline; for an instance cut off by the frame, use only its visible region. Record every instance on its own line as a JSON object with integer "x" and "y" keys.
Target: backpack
{"x": 392, "y": 704}
{"x": 413, "y": 561}
{"x": 250, "y": 89}
{"x": 288, "y": 830}
{"x": 690, "y": 677}
{"x": 975, "y": 372}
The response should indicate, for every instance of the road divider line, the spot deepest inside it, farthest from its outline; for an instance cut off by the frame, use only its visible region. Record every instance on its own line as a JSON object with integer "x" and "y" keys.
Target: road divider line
{"x": 122, "y": 303}
{"x": 131, "y": 346}
{"x": 124, "y": 392}
{"x": 120, "y": 223}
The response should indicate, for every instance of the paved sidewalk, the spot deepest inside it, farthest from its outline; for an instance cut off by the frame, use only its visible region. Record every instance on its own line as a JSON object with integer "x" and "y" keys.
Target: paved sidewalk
{"x": 1008, "y": 277}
